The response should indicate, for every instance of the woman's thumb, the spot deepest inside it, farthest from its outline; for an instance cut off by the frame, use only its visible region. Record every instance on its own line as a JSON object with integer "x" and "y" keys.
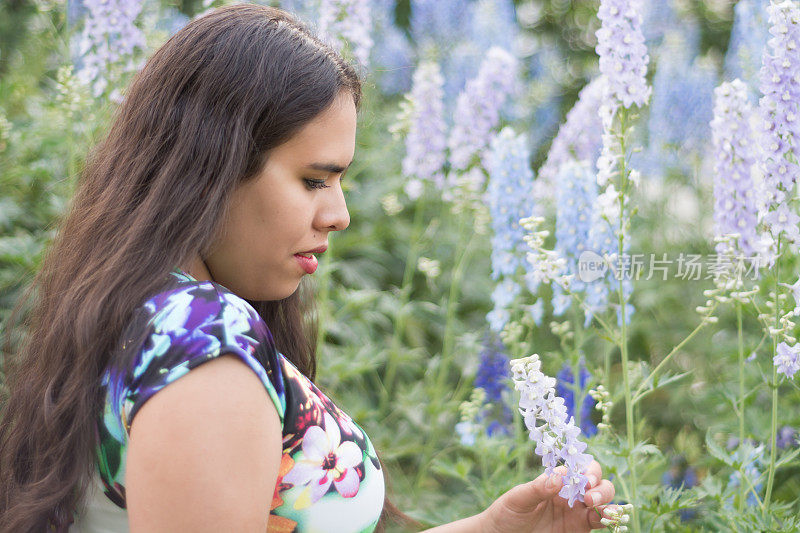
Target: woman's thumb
{"x": 524, "y": 498}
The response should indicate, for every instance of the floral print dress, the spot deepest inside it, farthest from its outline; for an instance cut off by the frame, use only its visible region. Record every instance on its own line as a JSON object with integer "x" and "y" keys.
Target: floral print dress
{"x": 330, "y": 479}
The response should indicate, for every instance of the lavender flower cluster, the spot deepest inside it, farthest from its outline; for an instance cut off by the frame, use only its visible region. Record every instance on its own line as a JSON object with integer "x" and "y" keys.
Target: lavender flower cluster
{"x": 577, "y": 138}
{"x": 780, "y": 110}
{"x": 426, "y": 141}
{"x": 735, "y": 209}
{"x": 556, "y": 438}
{"x": 478, "y": 106}
{"x": 109, "y": 36}
{"x": 622, "y": 51}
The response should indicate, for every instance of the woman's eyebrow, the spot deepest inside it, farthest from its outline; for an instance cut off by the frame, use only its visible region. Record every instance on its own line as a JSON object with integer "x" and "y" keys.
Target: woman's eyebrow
{"x": 329, "y": 167}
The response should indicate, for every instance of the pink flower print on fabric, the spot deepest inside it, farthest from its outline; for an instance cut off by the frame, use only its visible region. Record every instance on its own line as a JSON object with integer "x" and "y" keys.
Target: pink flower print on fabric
{"x": 325, "y": 460}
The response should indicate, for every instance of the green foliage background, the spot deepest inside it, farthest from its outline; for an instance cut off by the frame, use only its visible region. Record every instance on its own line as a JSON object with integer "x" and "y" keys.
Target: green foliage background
{"x": 433, "y": 476}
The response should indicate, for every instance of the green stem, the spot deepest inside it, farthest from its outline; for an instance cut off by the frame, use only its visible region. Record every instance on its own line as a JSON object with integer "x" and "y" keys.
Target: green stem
{"x": 638, "y": 394}
{"x": 774, "y": 384}
{"x": 742, "y": 490}
{"x": 630, "y": 423}
{"x": 405, "y": 293}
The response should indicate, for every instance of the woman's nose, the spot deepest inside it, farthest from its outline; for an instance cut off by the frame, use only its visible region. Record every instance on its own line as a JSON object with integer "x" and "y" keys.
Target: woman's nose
{"x": 334, "y": 215}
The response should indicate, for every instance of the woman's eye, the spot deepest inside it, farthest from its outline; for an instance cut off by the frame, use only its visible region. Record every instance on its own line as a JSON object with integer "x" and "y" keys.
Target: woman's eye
{"x": 315, "y": 184}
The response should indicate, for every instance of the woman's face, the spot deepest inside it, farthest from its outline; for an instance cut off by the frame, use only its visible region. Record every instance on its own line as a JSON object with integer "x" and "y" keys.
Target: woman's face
{"x": 288, "y": 209}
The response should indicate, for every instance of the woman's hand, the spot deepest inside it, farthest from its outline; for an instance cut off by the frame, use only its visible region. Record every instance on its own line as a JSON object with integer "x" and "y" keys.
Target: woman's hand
{"x": 536, "y": 506}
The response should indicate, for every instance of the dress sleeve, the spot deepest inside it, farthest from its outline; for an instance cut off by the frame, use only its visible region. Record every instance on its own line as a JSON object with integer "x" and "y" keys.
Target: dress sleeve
{"x": 195, "y": 324}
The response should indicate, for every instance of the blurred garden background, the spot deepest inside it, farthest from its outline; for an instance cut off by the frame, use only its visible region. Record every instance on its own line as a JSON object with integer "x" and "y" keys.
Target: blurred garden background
{"x": 475, "y": 114}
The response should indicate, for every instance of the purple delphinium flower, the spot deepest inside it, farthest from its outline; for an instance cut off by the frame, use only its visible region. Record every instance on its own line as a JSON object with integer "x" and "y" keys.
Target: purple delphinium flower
{"x": 491, "y": 375}
{"x": 426, "y": 140}
{"x": 780, "y": 107}
{"x": 564, "y": 380}
{"x": 557, "y": 437}
{"x": 787, "y": 437}
{"x": 109, "y": 37}
{"x": 577, "y": 139}
{"x": 788, "y": 359}
{"x": 623, "y": 54}
{"x": 478, "y": 107}
{"x": 735, "y": 209}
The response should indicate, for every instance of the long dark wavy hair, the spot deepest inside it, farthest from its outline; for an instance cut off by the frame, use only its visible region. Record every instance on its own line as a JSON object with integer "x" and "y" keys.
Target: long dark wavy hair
{"x": 199, "y": 119}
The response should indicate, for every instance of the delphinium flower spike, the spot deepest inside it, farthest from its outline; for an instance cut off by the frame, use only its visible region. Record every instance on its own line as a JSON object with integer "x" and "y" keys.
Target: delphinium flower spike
{"x": 426, "y": 140}
{"x": 109, "y": 37}
{"x": 735, "y": 208}
{"x": 556, "y": 437}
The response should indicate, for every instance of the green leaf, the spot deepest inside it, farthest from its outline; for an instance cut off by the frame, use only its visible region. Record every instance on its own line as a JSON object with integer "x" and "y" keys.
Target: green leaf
{"x": 716, "y": 450}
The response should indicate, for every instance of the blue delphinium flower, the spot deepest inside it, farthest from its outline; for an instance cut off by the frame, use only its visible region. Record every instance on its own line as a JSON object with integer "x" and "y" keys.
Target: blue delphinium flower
{"x": 478, "y": 107}
{"x": 503, "y": 294}
{"x": 492, "y": 376}
{"x": 680, "y": 474}
{"x": 494, "y": 23}
{"x": 735, "y": 209}
{"x": 780, "y": 113}
{"x": 659, "y": 18}
{"x": 438, "y": 23}
{"x": 681, "y": 106}
{"x": 749, "y": 35}
{"x": 508, "y": 195}
{"x": 575, "y": 215}
{"x": 580, "y": 230}
{"x": 564, "y": 380}
{"x": 754, "y": 463}
{"x": 392, "y": 55}
{"x": 426, "y": 141}
{"x": 109, "y": 37}
{"x": 458, "y": 33}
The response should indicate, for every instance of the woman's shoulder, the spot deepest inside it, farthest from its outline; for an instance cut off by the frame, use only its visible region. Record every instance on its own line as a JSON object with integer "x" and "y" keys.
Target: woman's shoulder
{"x": 186, "y": 324}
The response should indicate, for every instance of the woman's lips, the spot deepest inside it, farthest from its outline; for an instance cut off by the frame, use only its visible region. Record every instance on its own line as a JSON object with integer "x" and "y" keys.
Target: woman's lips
{"x": 309, "y": 264}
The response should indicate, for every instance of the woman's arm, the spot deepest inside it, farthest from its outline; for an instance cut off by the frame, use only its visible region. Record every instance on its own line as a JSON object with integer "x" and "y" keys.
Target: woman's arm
{"x": 473, "y": 524}
{"x": 536, "y": 507}
{"x": 204, "y": 453}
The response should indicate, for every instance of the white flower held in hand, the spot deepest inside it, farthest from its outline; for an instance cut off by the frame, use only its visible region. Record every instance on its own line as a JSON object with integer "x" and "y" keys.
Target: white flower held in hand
{"x": 557, "y": 438}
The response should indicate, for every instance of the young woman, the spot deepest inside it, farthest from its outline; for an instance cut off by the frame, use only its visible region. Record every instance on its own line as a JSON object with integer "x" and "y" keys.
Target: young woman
{"x": 165, "y": 382}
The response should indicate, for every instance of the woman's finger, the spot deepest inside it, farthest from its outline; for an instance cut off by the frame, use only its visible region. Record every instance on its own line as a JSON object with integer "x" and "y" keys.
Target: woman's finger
{"x": 601, "y": 494}
{"x": 594, "y": 473}
{"x": 525, "y": 497}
